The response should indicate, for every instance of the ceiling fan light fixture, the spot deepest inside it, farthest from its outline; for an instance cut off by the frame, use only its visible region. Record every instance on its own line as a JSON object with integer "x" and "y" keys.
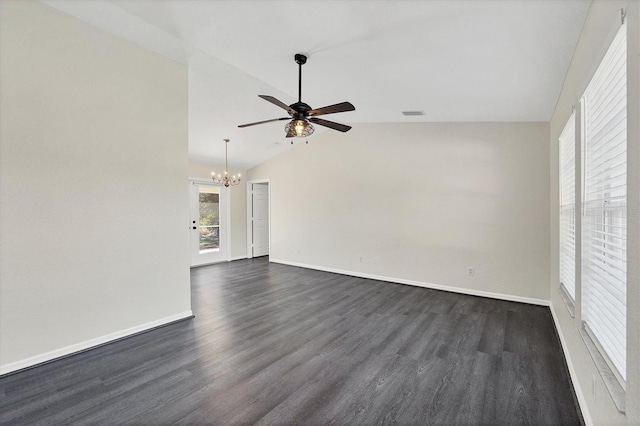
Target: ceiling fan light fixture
{"x": 299, "y": 128}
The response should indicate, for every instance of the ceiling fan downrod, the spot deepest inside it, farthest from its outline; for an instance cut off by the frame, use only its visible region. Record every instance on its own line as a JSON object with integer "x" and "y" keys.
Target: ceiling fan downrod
{"x": 300, "y": 60}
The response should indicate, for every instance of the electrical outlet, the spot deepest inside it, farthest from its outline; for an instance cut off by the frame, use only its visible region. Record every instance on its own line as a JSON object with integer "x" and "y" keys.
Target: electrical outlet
{"x": 470, "y": 271}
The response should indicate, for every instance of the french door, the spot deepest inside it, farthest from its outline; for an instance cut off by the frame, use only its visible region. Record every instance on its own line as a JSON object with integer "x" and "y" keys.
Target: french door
{"x": 209, "y": 223}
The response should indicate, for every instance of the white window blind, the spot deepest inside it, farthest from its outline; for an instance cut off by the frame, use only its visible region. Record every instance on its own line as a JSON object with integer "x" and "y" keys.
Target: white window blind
{"x": 567, "y": 145}
{"x": 604, "y": 198}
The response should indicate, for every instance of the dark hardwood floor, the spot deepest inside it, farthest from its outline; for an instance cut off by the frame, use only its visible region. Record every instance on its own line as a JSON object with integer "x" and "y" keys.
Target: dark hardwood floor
{"x": 274, "y": 344}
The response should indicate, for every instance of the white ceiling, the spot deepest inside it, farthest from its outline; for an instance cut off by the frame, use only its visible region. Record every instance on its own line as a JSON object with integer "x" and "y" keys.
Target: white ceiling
{"x": 477, "y": 60}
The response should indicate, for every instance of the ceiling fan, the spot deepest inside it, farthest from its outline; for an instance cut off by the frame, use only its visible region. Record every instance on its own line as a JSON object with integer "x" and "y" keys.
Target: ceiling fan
{"x": 301, "y": 114}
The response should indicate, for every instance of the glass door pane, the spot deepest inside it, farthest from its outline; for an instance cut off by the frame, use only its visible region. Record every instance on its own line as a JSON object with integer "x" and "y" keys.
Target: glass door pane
{"x": 209, "y": 207}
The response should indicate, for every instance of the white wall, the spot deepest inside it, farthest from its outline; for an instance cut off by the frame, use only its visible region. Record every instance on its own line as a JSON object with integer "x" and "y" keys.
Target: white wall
{"x": 600, "y": 27}
{"x": 94, "y": 203}
{"x": 220, "y": 94}
{"x": 419, "y": 202}
{"x": 238, "y": 197}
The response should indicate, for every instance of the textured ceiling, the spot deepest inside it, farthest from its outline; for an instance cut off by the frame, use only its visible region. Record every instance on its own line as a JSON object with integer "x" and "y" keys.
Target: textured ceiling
{"x": 455, "y": 60}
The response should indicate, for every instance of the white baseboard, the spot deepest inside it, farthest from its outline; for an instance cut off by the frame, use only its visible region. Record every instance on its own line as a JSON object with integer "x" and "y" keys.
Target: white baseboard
{"x": 207, "y": 263}
{"x": 572, "y": 371}
{"x": 231, "y": 259}
{"x": 89, "y": 344}
{"x": 501, "y": 296}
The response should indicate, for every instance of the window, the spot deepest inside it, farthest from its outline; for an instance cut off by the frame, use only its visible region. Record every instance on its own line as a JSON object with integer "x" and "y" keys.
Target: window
{"x": 604, "y": 204}
{"x": 567, "y": 145}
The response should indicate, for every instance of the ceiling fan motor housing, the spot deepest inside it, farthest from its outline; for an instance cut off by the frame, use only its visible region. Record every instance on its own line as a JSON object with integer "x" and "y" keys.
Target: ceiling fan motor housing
{"x": 301, "y": 108}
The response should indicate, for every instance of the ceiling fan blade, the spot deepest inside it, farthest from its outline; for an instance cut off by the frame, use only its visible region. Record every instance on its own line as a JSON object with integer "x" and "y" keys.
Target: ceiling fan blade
{"x": 332, "y": 109}
{"x": 330, "y": 124}
{"x": 265, "y": 121}
{"x": 278, "y": 103}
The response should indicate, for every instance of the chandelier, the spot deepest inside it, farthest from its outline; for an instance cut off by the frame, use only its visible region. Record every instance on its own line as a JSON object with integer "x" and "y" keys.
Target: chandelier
{"x": 225, "y": 180}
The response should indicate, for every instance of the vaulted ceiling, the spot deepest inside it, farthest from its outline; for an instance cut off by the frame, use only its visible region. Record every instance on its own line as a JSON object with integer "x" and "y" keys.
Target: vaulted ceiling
{"x": 477, "y": 60}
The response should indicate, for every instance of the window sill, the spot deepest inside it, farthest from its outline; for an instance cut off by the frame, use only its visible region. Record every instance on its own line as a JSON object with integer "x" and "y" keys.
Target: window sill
{"x": 614, "y": 387}
{"x": 568, "y": 301}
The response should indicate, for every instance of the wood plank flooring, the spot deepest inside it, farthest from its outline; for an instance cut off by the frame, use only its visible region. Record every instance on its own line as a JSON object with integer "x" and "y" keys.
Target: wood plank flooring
{"x": 274, "y": 344}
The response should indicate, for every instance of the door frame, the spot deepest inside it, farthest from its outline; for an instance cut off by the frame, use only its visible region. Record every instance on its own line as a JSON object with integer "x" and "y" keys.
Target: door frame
{"x": 225, "y": 194}
{"x": 250, "y": 217}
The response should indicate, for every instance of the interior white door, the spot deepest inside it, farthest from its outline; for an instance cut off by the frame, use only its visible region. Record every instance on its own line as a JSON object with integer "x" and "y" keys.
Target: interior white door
{"x": 208, "y": 223}
{"x": 260, "y": 219}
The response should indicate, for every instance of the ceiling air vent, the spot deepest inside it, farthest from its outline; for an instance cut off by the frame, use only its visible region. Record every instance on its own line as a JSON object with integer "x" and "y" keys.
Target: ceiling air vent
{"x": 412, "y": 113}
